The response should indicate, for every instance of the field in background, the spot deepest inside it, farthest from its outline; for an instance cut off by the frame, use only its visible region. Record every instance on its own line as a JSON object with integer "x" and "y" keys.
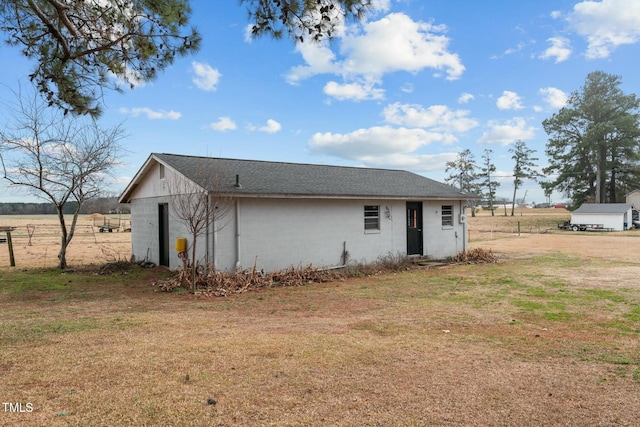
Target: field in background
{"x": 89, "y": 246}
{"x": 484, "y": 226}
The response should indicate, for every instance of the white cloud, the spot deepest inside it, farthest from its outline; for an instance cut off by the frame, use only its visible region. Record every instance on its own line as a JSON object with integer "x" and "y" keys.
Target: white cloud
{"x": 248, "y": 33}
{"x": 272, "y": 126}
{"x": 509, "y": 101}
{"x": 393, "y": 43}
{"x": 606, "y": 24}
{"x": 465, "y": 98}
{"x": 507, "y": 132}
{"x": 554, "y": 97}
{"x": 130, "y": 79}
{"x": 223, "y": 124}
{"x": 413, "y": 162}
{"x": 407, "y": 88}
{"x": 436, "y": 117}
{"x": 560, "y": 49}
{"x": 513, "y": 50}
{"x": 369, "y": 144}
{"x": 555, "y": 14}
{"x": 206, "y": 77}
{"x": 397, "y": 43}
{"x": 319, "y": 58}
{"x": 381, "y": 5}
{"x": 353, "y": 91}
{"x": 152, "y": 114}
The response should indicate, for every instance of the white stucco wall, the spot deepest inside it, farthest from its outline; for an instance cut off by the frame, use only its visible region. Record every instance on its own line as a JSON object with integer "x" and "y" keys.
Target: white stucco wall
{"x": 442, "y": 241}
{"x": 145, "y": 240}
{"x": 279, "y": 233}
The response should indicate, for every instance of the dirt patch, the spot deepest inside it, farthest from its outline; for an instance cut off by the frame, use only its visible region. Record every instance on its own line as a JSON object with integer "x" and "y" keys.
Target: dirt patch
{"x": 614, "y": 246}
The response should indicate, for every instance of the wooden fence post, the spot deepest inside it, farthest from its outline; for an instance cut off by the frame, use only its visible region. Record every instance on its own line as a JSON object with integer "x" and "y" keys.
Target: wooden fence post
{"x": 12, "y": 260}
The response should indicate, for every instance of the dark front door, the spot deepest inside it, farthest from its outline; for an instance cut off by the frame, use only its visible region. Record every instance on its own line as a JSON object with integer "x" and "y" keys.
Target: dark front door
{"x": 414, "y": 228}
{"x": 163, "y": 234}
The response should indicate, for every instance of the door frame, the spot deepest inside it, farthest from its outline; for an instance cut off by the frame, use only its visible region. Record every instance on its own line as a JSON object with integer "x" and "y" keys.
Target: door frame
{"x": 163, "y": 234}
{"x": 415, "y": 233}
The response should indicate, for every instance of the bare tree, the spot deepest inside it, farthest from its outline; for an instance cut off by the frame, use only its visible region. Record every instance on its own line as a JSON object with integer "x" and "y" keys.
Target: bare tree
{"x": 199, "y": 206}
{"x": 57, "y": 158}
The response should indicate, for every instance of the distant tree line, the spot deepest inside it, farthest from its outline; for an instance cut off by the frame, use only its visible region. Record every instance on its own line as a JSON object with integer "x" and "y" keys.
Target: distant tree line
{"x": 103, "y": 205}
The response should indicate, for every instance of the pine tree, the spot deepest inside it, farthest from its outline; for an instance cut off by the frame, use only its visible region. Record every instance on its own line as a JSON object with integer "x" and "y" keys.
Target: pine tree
{"x": 594, "y": 142}
{"x": 524, "y": 167}
{"x": 487, "y": 179}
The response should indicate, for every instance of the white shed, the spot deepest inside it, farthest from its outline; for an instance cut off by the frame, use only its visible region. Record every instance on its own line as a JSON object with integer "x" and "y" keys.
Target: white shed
{"x": 612, "y": 216}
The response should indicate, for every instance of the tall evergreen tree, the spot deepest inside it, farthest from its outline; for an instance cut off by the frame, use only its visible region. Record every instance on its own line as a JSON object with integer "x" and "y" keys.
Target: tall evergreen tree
{"x": 462, "y": 174}
{"x": 594, "y": 142}
{"x": 523, "y": 168}
{"x": 487, "y": 182}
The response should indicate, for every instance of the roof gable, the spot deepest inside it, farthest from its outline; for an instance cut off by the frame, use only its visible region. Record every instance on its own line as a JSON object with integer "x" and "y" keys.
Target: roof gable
{"x": 263, "y": 178}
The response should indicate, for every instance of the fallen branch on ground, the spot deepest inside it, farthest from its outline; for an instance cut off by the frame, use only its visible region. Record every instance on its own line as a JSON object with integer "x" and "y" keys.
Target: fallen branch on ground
{"x": 476, "y": 256}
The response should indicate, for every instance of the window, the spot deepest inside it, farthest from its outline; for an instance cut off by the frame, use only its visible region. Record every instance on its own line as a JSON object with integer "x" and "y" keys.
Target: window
{"x": 161, "y": 170}
{"x": 372, "y": 218}
{"x": 447, "y": 216}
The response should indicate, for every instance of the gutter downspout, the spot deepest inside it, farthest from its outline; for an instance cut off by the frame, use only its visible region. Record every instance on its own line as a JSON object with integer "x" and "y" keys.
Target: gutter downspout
{"x": 463, "y": 210}
{"x": 214, "y": 243}
{"x": 238, "y": 263}
{"x": 207, "y": 231}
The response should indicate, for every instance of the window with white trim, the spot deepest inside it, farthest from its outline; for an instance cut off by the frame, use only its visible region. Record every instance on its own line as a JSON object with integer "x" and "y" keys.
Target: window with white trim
{"x": 447, "y": 215}
{"x": 161, "y": 171}
{"x": 371, "y": 218}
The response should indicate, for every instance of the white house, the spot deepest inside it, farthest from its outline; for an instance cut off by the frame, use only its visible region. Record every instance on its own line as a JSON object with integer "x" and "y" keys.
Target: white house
{"x": 288, "y": 214}
{"x": 633, "y": 198}
{"x": 614, "y": 216}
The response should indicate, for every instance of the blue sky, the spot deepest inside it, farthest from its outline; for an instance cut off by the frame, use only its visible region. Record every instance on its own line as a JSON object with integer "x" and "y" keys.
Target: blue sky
{"x": 408, "y": 88}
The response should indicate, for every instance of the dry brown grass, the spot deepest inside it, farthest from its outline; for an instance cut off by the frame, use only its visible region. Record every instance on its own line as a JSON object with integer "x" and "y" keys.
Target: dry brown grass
{"x": 525, "y": 221}
{"x": 88, "y": 246}
{"x": 547, "y": 336}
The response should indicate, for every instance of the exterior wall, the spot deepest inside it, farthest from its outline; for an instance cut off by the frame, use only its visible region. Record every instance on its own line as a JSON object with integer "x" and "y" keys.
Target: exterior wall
{"x": 278, "y": 233}
{"x": 144, "y": 230}
{"x": 442, "y": 241}
{"x": 613, "y": 221}
{"x": 633, "y": 199}
{"x": 145, "y": 234}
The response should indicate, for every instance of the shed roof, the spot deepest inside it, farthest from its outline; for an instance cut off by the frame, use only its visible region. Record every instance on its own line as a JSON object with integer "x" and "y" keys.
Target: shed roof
{"x": 264, "y": 178}
{"x": 603, "y": 208}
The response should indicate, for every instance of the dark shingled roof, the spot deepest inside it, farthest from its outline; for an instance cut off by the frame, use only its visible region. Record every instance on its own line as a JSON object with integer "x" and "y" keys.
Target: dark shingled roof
{"x": 307, "y": 180}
